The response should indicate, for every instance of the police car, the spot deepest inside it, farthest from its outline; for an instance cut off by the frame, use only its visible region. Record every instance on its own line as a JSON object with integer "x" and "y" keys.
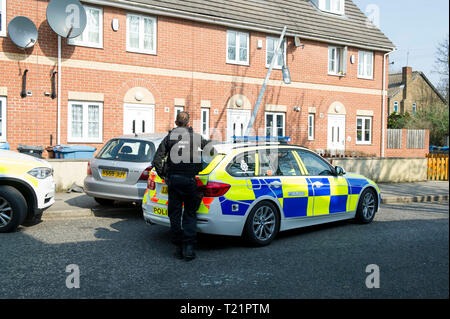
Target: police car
{"x": 257, "y": 189}
{"x": 27, "y": 188}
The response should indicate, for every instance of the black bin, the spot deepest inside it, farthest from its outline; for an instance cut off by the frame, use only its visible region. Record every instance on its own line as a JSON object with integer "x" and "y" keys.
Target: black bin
{"x": 35, "y": 151}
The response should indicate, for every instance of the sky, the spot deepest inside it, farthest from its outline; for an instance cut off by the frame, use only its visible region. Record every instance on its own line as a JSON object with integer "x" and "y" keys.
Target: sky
{"x": 414, "y": 26}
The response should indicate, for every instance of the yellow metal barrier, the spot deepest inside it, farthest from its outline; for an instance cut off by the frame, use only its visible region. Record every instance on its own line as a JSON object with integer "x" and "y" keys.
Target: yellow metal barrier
{"x": 437, "y": 167}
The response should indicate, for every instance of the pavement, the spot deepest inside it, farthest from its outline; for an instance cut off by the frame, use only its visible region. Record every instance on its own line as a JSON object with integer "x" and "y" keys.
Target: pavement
{"x": 79, "y": 205}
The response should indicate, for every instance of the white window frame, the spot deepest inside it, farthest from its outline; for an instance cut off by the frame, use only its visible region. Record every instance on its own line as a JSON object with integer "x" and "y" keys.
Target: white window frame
{"x": 141, "y": 48}
{"x": 238, "y": 35}
{"x": 336, "y": 6}
{"x": 396, "y": 107}
{"x": 86, "y": 43}
{"x": 85, "y": 138}
{"x": 3, "y": 21}
{"x": 275, "y": 128}
{"x": 276, "y": 65}
{"x": 177, "y": 108}
{"x": 342, "y": 60}
{"x": 414, "y": 108}
{"x": 4, "y": 118}
{"x": 364, "y": 118}
{"x": 311, "y": 126}
{"x": 206, "y": 132}
{"x": 363, "y": 74}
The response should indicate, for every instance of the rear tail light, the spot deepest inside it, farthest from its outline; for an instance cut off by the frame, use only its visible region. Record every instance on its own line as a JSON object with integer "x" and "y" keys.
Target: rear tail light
{"x": 214, "y": 189}
{"x": 89, "y": 171}
{"x": 145, "y": 174}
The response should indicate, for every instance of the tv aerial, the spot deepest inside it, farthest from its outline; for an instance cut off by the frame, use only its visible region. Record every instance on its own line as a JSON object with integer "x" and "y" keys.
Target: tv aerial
{"x": 23, "y": 32}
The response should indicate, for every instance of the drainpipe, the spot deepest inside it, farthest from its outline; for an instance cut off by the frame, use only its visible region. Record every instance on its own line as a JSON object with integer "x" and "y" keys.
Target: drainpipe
{"x": 58, "y": 139}
{"x": 383, "y": 94}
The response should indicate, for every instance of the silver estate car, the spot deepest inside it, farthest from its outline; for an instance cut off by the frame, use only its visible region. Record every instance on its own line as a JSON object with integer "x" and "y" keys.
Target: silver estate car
{"x": 119, "y": 172}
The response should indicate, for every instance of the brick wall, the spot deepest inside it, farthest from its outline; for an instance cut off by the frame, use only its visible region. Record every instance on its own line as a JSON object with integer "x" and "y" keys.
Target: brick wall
{"x": 190, "y": 64}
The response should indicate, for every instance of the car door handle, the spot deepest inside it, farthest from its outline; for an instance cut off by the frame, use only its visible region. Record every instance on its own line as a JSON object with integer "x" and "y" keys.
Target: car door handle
{"x": 317, "y": 184}
{"x": 276, "y": 184}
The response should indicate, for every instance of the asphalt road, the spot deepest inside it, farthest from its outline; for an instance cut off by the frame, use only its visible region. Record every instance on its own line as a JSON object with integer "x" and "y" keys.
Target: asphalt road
{"x": 122, "y": 257}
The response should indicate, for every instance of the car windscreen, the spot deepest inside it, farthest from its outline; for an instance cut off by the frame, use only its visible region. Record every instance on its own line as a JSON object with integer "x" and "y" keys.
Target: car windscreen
{"x": 127, "y": 150}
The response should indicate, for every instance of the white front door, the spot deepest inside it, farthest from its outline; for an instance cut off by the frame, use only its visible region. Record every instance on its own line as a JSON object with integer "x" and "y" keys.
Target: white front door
{"x": 336, "y": 132}
{"x": 138, "y": 118}
{"x": 237, "y": 123}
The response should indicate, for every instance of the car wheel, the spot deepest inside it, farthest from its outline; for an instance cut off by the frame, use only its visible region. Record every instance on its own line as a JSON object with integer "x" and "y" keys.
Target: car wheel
{"x": 104, "y": 201}
{"x": 367, "y": 207}
{"x": 262, "y": 224}
{"x": 13, "y": 208}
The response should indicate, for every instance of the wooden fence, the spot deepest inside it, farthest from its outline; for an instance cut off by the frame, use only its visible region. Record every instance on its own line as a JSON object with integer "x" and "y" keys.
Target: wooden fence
{"x": 415, "y": 139}
{"x": 437, "y": 167}
{"x": 394, "y": 139}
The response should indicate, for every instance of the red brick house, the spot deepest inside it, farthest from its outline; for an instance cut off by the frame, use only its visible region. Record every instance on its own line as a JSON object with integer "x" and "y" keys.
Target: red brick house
{"x": 139, "y": 62}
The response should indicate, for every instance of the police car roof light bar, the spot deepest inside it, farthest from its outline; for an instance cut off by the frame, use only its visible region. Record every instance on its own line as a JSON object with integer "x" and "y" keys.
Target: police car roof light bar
{"x": 261, "y": 139}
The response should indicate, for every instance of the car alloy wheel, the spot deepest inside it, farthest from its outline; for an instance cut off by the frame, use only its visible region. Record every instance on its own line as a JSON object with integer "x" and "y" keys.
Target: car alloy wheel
{"x": 368, "y": 205}
{"x": 5, "y": 212}
{"x": 264, "y": 223}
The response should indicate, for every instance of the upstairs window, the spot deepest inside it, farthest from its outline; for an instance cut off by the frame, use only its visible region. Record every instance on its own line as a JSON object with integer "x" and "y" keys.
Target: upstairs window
{"x": 141, "y": 34}
{"x": 337, "y": 60}
{"x": 333, "y": 6}
{"x": 2, "y": 18}
{"x": 271, "y": 45}
{"x": 92, "y": 35}
{"x": 365, "y": 65}
{"x": 237, "y": 47}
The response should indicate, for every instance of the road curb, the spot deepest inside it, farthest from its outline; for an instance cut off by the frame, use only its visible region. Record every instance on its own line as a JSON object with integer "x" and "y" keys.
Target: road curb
{"x": 414, "y": 199}
{"x": 87, "y": 213}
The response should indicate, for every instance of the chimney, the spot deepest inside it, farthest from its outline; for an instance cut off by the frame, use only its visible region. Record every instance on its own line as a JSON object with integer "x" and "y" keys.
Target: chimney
{"x": 406, "y": 74}
{"x": 406, "y": 79}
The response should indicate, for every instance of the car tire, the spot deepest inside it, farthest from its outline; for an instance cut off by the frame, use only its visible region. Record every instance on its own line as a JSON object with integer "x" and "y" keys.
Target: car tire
{"x": 104, "y": 201}
{"x": 13, "y": 208}
{"x": 263, "y": 224}
{"x": 367, "y": 207}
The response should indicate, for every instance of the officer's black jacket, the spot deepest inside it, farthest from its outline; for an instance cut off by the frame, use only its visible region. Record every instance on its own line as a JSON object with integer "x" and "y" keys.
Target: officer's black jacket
{"x": 182, "y": 147}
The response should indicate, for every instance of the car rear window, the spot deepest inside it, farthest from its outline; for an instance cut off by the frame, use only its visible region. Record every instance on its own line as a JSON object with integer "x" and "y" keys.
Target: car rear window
{"x": 127, "y": 150}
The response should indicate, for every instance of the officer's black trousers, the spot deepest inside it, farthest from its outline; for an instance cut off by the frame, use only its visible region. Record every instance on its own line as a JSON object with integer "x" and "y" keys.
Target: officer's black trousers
{"x": 183, "y": 224}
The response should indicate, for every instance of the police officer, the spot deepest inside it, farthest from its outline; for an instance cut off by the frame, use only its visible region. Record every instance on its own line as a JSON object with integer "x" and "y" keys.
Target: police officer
{"x": 181, "y": 149}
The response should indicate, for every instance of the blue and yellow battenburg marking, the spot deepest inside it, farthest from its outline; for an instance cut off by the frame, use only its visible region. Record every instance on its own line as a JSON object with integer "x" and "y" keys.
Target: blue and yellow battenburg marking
{"x": 298, "y": 196}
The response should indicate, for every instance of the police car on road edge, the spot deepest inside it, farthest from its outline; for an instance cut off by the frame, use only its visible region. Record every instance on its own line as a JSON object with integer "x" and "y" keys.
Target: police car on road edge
{"x": 27, "y": 188}
{"x": 249, "y": 198}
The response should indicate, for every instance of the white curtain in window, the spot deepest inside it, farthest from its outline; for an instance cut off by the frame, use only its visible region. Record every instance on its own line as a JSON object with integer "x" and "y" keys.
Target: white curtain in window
{"x": 243, "y": 47}
{"x": 271, "y": 46}
{"x": 133, "y": 25}
{"x": 148, "y": 34}
{"x": 93, "y": 25}
{"x": 231, "y": 45}
{"x": 77, "y": 120}
{"x": 93, "y": 121}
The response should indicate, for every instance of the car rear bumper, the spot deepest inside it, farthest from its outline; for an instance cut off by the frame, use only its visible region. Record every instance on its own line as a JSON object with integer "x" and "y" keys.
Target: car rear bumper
{"x": 114, "y": 191}
{"x": 212, "y": 223}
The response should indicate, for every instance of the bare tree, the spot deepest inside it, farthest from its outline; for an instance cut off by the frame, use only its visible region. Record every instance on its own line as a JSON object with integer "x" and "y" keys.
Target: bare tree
{"x": 442, "y": 66}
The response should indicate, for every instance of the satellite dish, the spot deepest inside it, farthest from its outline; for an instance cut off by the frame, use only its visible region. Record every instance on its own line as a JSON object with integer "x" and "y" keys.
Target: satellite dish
{"x": 66, "y": 17}
{"x": 22, "y": 32}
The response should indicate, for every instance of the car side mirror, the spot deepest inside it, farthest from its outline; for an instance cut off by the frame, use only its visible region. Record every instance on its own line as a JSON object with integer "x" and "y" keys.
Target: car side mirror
{"x": 340, "y": 171}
